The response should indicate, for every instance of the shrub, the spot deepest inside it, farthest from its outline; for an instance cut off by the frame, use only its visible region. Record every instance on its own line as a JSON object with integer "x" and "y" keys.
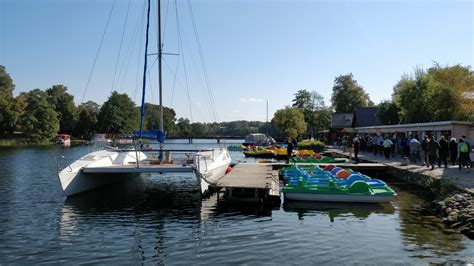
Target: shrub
{"x": 315, "y": 145}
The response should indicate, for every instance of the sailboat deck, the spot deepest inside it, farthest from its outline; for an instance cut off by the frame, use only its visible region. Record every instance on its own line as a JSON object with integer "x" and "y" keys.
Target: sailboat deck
{"x": 143, "y": 168}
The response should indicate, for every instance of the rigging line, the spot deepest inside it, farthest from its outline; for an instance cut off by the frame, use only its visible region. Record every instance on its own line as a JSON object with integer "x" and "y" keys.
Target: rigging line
{"x": 175, "y": 73}
{"x": 124, "y": 66}
{"x": 203, "y": 63}
{"x": 166, "y": 22}
{"x": 98, "y": 51}
{"x": 120, "y": 47}
{"x": 181, "y": 52}
{"x": 150, "y": 68}
{"x": 137, "y": 78}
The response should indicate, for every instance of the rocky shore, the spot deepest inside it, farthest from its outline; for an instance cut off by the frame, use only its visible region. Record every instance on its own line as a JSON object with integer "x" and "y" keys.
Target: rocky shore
{"x": 457, "y": 211}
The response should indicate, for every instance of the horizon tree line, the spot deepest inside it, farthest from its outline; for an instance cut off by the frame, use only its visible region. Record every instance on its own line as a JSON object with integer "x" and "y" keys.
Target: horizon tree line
{"x": 436, "y": 94}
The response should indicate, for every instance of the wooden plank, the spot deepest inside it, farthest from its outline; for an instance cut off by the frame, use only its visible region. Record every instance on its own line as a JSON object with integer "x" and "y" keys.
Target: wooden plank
{"x": 248, "y": 175}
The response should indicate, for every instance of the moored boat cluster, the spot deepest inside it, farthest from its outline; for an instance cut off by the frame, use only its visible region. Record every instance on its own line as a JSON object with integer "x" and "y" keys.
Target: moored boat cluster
{"x": 333, "y": 184}
{"x": 457, "y": 211}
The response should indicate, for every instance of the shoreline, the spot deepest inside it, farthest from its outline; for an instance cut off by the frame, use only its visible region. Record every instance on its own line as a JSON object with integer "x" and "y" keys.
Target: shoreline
{"x": 453, "y": 189}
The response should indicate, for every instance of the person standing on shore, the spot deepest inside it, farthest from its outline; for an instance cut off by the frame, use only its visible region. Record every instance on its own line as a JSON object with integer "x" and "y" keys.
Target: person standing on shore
{"x": 387, "y": 146}
{"x": 414, "y": 145}
{"x": 443, "y": 152}
{"x": 423, "y": 155}
{"x": 453, "y": 150}
{"x": 289, "y": 150}
{"x": 356, "y": 144}
{"x": 464, "y": 157}
{"x": 375, "y": 144}
{"x": 432, "y": 148}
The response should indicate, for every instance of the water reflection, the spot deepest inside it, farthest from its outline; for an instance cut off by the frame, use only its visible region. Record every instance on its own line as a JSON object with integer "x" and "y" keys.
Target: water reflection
{"x": 335, "y": 209}
{"x": 423, "y": 233}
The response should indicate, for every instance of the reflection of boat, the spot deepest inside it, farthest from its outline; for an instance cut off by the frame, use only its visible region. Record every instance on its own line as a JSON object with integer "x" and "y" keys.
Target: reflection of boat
{"x": 334, "y": 209}
{"x": 112, "y": 164}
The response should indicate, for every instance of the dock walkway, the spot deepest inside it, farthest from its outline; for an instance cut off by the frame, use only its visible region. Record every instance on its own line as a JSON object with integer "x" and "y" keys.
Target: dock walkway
{"x": 461, "y": 179}
{"x": 255, "y": 177}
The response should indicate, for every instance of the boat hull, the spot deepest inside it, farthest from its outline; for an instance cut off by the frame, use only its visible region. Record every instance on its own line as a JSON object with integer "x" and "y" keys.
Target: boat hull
{"x": 211, "y": 166}
{"x": 75, "y": 180}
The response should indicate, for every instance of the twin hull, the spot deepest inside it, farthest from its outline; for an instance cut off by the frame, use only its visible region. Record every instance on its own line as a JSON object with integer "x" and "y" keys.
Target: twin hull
{"x": 75, "y": 180}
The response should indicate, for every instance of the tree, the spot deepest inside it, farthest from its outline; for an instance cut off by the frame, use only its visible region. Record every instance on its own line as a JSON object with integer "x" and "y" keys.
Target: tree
{"x": 388, "y": 113}
{"x": 184, "y": 127}
{"x": 199, "y": 129}
{"x": 63, "y": 104}
{"x": 438, "y": 94}
{"x": 153, "y": 118}
{"x": 87, "y": 121}
{"x": 347, "y": 94}
{"x": 291, "y": 121}
{"x": 311, "y": 104}
{"x": 8, "y": 109}
{"x": 118, "y": 115}
{"x": 39, "y": 120}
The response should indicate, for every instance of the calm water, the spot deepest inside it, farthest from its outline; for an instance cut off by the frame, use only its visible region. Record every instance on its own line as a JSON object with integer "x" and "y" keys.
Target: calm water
{"x": 162, "y": 220}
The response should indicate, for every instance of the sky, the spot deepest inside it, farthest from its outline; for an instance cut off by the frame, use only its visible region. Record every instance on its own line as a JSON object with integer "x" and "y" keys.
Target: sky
{"x": 254, "y": 52}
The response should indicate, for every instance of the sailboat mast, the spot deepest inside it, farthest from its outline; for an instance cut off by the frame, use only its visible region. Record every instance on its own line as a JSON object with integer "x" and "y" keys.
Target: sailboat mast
{"x": 142, "y": 114}
{"x": 160, "y": 54}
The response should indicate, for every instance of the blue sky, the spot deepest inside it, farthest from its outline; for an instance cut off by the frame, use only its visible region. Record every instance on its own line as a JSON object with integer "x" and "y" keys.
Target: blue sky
{"x": 254, "y": 50}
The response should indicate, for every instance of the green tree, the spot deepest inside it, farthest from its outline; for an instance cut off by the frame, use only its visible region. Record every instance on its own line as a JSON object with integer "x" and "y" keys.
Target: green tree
{"x": 311, "y": 104}
{"x": 63, "y": 104}
{"x": 347, "y": 94}
{"x": 153, "y": 118}
{"x": 118, "y": 115}
{"x": 199, "y": 129}
{"x": 39, "y": 120}
{"x": 291, "y": 121}
{"x": 388, "y": 113}
{"x": 184, "y": 127}
{"x": 438, "y": 94}
{"x": 8, "y": 109}
{"x": 87, "y": 121}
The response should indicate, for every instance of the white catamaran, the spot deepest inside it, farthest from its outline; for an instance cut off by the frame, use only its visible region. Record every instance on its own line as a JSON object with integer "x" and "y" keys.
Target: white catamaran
{"x": 113, "y": 164}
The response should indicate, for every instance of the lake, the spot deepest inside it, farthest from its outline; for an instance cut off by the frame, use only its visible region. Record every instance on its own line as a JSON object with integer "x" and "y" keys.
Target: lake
{"x": 163, "y": 220}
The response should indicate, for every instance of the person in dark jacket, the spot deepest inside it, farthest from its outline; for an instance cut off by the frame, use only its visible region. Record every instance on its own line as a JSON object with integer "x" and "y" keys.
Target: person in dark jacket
{"x": 443, "y": 152}
{"x": 356, "y": 144}
{"x": 289, "y": 150}
{"x": 453, "y": 150}
{"x": 432, "y": 148}
{"x": 424, "y": 153}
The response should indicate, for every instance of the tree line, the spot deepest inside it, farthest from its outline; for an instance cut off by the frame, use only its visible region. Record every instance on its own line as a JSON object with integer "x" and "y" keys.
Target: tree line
{"x": 41, "y": 114}
{"x": 436, "y": 94}
{"x": 440, "y": 93}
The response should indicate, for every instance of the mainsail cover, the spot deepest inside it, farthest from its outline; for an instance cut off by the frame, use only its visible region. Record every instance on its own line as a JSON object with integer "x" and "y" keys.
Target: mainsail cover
{"x": 157, "y": 134}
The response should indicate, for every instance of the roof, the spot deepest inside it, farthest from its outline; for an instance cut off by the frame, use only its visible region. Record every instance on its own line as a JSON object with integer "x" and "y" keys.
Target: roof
{"x": 365, "y": 117}
{"x": 419, "y": 125}
{"x": 341, "y": 120}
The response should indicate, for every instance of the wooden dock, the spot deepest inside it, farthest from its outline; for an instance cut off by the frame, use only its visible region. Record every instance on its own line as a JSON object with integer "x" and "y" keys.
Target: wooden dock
{"x": 251, "y": 180}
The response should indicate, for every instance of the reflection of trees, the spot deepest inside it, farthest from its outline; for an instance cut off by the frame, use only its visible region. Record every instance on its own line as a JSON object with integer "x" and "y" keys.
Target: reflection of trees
{"x": 335, "y": 209}
{"x": 420, "y": 229}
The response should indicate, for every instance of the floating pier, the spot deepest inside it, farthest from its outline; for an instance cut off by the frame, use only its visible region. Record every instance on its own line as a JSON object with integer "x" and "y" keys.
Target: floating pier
{"x": 251, "y": 181}
{"x": 260, "y": 181}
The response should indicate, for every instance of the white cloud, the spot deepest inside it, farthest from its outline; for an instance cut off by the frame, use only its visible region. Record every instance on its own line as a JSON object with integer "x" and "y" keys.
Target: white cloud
{"x": 246, "y": 100}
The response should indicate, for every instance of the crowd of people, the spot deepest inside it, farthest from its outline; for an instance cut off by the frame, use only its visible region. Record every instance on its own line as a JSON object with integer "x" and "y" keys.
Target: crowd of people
{"x": 429, "y": 151}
